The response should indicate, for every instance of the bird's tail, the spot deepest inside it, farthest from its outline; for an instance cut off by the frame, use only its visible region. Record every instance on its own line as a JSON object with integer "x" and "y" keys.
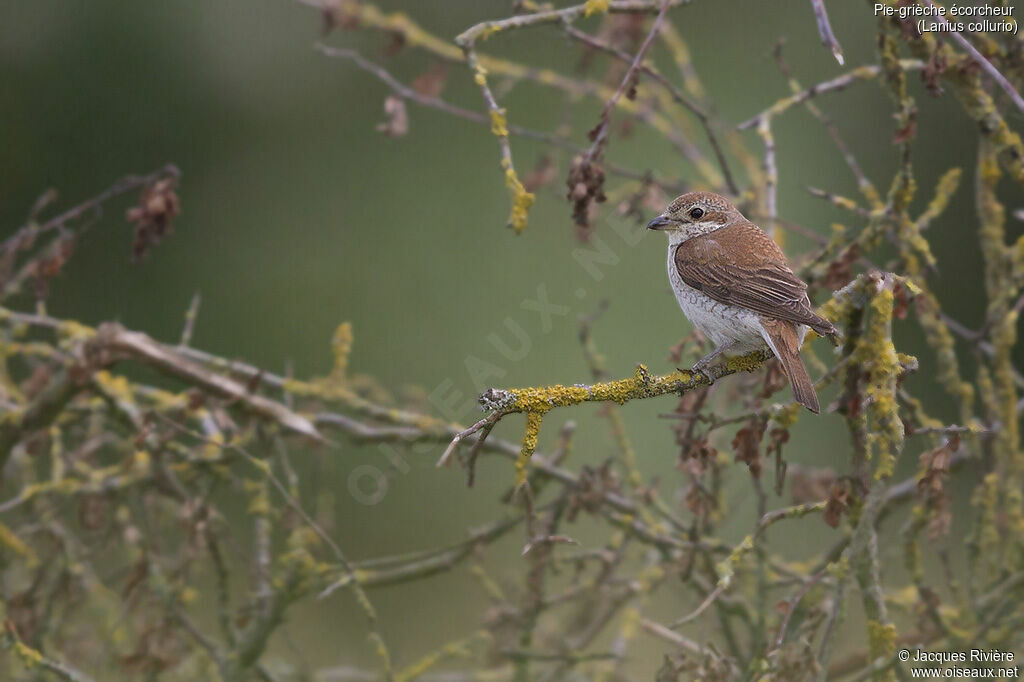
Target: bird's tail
{"x": 782, "y": 339}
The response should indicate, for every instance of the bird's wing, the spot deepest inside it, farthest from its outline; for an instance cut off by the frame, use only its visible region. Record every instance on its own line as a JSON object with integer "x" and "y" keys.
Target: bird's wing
{"x": 742, "y": 266}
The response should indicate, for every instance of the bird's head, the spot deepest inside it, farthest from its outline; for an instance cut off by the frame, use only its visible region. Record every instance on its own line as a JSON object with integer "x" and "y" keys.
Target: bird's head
{"x": 694, "y": 214}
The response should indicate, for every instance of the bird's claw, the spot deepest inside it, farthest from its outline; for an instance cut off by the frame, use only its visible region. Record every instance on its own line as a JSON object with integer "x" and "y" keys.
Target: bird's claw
{"x": 697, "y": 369}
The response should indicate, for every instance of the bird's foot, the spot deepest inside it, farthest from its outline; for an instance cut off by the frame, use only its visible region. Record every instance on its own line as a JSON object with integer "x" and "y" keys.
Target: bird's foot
{"x": 701, "y": 370}
{"x": 701, "y": 367}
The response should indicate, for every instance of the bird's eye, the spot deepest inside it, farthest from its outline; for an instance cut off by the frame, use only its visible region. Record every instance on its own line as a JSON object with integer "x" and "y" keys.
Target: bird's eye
{"x": 696, "y": 213}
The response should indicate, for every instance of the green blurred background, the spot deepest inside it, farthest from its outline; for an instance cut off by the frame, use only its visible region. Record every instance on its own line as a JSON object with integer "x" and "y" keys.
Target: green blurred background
{"x": 298, "y": 216}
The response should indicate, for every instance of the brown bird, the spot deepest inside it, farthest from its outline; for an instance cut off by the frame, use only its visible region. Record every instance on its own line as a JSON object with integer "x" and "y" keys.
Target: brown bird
{"x": 735, "y": 285}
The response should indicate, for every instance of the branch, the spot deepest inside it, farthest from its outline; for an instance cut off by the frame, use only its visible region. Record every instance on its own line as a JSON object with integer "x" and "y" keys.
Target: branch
{"x": 40, "y": 414}
{"x": 164, "y": 359}
{"x": 31, "y": 658}
{"x": 111, "y": 339}
{"x": 659, "y": 630}
{"x": 673, "y": 91}
{"x": 985, "y": 64}
{"x": 601, "y": 136}
{"x": 485, "y": 29}
{"x": 865, "y": 185}
{"x": 536, "y": 402}
{"x": 837, "y": 83}
{"x": 522, "y": 200}
{"x": 123, "y": 185}
{"x": 387, "y": 571}
{"x": 641, "y": 385}
{"x": 408, "y": 93}
{"x": 771, "y": 175}
{"x": 825, "y": 30}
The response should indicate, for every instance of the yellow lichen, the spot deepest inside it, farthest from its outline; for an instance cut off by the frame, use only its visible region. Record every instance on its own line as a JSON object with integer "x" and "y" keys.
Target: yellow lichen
{"x": 533, "y": 421}
{"x": 15, "y": 544}
{"x": 521, "y": 201}
{"x": 787, "y": 416}
{"x": 29, "y": 657}
{"x": 71, "y": 330}
{"x": 630, "y": 623}
{"x": 141, "y": 461}
{"x": 726, "y": 568}
{"x": 341, "y": 345}
{"x": 381, "y": 649}
{"x": 488, "y": 31}
{"x": 876, "y": 353}
{"x": 259, "y": 505}
{"x": 499, "y": 123}
{"x": 213, "y": 447}
{"x": 944, "y": 191}
{"x": 480, "y": 76}
{"x": 117, "y": 386}
{"x": 839, "y": 569}
{"x": 681, "y": 55}
{"x": 411, "y": 32}
{"x": 539, "y": 400}
{"x": 881, "y": 639}
{"x": 745, "y": 363}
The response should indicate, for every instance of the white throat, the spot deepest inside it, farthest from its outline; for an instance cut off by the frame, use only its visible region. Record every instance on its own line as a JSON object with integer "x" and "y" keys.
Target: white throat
{"x": 688, "y": 231}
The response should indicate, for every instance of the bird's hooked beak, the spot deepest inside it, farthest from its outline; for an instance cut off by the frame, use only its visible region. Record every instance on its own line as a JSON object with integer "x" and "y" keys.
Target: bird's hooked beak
{"x": 661, "y": 223}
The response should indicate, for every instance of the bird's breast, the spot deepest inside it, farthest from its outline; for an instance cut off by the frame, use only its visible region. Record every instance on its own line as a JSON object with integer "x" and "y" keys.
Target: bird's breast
{"x": 721, "y": 322}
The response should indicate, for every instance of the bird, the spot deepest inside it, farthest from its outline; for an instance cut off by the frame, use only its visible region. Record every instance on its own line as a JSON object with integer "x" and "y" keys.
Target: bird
{"x": 734, "y": 284}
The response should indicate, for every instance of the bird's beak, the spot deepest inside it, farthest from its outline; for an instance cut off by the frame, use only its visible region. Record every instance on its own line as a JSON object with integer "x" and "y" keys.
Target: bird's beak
{"x": 660, "y": 223}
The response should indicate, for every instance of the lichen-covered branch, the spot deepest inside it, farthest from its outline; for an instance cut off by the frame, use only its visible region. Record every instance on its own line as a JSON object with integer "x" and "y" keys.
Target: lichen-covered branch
{"x": 536, "y": 402}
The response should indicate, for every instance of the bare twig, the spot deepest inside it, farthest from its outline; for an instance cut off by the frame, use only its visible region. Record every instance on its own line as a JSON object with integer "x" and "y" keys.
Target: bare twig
{"x": 793, "y": 603}
{"x": 828, "y": 38}
{"x": 676, "y": 94}
{"x": 190, "y": 319}
{"x": 484, "y": 424}
{"x": 708, "y": 601}
{"x": 122, "y": 186}
{"x": 662, "y": 632}
{"x": 600, "y": 134}
{"x": 832, "y": 85}
{"x": 439, "y": 104}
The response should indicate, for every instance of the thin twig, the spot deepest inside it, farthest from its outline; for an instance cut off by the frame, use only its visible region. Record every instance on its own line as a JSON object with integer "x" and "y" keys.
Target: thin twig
{"x": 832, "y": 85}
{"x": 708, "y": 601}
{"x": 793, "y": 603}
{"x": 485, "y": 423}
{"x": 600, "y": 135}
{"x": 190, "y": 319}
{"x": 676, "y": 94}
{"x": 828, "y": 38}
{"x": 662, "y": 632}
{"x": 438, "y": 104}
{"x": 121, "y": 186}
